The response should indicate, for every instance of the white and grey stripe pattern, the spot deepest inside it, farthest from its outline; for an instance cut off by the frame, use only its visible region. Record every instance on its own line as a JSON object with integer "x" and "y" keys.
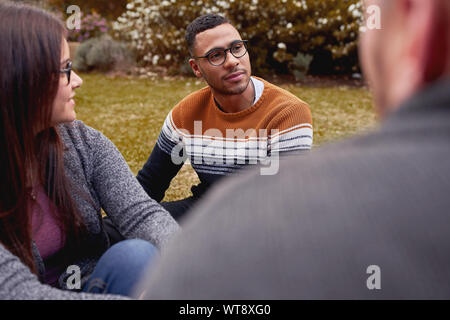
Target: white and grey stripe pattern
{"x": 223, "y": 155}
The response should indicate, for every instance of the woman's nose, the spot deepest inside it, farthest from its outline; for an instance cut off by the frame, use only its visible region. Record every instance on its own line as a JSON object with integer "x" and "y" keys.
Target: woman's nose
{"x": 77, "y": 81}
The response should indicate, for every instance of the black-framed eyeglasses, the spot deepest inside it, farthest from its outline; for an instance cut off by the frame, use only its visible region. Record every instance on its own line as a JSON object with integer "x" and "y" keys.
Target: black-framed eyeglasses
{"x": 67, "y": 70}
{"x": 217, "y": 57}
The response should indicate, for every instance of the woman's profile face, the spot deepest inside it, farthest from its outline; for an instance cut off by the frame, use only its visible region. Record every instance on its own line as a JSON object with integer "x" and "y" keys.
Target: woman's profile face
{"x": 64, "y": 104}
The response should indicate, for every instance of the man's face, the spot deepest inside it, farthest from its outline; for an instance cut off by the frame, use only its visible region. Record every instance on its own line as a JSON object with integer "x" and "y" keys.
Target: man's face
{"x": 233, "y": 76}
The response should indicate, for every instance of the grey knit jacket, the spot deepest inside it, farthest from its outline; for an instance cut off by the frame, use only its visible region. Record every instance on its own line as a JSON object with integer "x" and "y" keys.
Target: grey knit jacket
{"x": 95, "y": 166}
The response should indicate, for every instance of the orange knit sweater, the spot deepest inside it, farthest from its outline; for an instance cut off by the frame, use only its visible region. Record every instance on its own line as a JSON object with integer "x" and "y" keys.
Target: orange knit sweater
{"x": 218, "y": 143}
{"x": 276, "y": 109}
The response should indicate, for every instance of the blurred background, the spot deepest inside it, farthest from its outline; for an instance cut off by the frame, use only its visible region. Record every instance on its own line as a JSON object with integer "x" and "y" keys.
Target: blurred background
{"x": 132, "y": 57}
{"x": 290, "y": 38}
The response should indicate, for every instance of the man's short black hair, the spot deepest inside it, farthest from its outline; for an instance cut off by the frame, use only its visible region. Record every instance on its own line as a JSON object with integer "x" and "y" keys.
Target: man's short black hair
{"x": 202, "y": 23}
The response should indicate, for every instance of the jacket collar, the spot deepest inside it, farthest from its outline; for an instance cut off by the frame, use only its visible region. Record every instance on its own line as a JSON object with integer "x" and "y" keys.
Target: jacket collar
{"x": 432, "y": 97}
{"x": 429, "y": 107}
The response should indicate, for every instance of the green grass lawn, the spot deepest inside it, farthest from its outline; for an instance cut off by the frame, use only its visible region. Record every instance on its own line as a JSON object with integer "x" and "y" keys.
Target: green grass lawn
{"x": 131, "y": 112}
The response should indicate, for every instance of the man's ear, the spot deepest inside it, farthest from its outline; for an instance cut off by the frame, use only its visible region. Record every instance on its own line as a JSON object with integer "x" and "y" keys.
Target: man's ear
{"x": 435, "y": 59}
{"x": 428, "y": 45}
{"x": 195, "y": 68}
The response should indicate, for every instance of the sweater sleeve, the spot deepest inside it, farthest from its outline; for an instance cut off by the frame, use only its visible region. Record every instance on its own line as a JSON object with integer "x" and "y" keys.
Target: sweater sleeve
{"x": 163, "y": 164}
{"x": 291, "y": 131}
{"x": 121, "y": 196}
{"x": 17, "y": 282}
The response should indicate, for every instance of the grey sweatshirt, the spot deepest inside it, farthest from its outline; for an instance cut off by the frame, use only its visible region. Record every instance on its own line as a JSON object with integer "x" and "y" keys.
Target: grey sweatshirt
{"x": 95, "y": 166}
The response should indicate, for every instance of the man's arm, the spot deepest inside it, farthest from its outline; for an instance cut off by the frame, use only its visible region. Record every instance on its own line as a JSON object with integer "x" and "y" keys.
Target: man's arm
{"x": 164, "y": 162}
{"x": 291, "y": 131}
{"x": 157, "y": 173}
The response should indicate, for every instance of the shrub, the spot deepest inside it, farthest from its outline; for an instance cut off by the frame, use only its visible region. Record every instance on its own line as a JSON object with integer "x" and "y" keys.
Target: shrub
{"x": 300, "y": 65}
{"x": 326, "y": 30}
{"x": 109, "y": 9}
{"x": 103, "y": 54}
{"x": 92, "y": 26}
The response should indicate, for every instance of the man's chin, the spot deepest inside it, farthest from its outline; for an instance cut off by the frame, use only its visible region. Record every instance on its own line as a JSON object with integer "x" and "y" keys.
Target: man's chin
{"x": 239, "y": 88}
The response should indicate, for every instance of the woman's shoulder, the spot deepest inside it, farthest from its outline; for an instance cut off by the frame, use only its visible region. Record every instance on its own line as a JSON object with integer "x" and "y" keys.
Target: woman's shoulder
{"x": 78, "y": 128}
{"x": 80, "y": 134}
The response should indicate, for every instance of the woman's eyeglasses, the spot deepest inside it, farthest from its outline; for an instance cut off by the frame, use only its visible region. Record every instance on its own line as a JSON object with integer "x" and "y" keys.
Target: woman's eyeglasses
{"x": 67, "y": 70}
{"x": 217, "y": 57}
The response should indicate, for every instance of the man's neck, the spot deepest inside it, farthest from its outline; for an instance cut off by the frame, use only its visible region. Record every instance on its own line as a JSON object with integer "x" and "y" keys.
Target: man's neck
{"x": 238, "y": 102}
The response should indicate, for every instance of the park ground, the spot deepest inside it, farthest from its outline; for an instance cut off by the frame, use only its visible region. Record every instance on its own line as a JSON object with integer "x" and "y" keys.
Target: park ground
{"x": 131, "y": 111}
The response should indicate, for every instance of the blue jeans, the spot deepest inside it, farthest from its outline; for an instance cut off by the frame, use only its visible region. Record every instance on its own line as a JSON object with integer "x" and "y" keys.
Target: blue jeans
{"x": 121, "y": 266}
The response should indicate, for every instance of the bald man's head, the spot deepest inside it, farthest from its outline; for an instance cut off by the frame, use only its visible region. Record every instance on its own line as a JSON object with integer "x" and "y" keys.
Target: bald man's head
{"x": 409, "y": 52}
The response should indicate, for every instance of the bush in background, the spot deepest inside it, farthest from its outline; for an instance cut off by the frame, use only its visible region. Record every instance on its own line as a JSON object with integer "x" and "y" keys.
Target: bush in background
{"x": 91, "y": 26}
{"x": 103, "y": 54}
{"x": 300, "y": 65}
{"x": 110, "y": 9}
{"x": 277, "y": 30}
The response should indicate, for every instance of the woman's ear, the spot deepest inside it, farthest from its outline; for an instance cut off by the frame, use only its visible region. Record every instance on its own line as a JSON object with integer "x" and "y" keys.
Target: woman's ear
{"x": 195, "y": 68}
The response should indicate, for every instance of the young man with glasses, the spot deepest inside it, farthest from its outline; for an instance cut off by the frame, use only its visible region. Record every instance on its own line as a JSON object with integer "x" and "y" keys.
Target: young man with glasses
{"x": 236, "y": 121}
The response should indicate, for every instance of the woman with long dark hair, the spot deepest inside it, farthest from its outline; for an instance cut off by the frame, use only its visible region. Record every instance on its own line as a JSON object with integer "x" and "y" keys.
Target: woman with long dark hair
{"x": 56, "y": 174}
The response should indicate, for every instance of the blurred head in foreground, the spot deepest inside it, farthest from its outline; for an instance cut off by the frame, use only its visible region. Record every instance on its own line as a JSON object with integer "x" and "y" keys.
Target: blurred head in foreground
{"x": 409, "y": 52}
{"x": 366, "y": 218}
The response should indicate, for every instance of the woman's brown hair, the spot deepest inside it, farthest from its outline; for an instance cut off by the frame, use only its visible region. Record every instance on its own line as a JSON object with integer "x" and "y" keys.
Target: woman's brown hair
{"x": 31, "y": 148}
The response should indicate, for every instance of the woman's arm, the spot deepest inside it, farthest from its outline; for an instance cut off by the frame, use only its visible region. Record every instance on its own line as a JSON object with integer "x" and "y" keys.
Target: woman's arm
{"x": 122, "y": 197}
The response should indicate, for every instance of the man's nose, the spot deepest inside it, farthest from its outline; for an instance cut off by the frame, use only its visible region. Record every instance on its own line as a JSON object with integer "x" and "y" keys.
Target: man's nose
{"x": 230, "y": 60}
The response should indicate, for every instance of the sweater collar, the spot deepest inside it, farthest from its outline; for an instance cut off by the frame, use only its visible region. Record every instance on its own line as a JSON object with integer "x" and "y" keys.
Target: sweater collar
{"x": 259, "y": 97}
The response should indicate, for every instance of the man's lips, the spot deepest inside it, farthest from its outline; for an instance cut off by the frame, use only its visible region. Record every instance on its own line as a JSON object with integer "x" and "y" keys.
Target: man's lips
{"x": 235, "y": 76}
